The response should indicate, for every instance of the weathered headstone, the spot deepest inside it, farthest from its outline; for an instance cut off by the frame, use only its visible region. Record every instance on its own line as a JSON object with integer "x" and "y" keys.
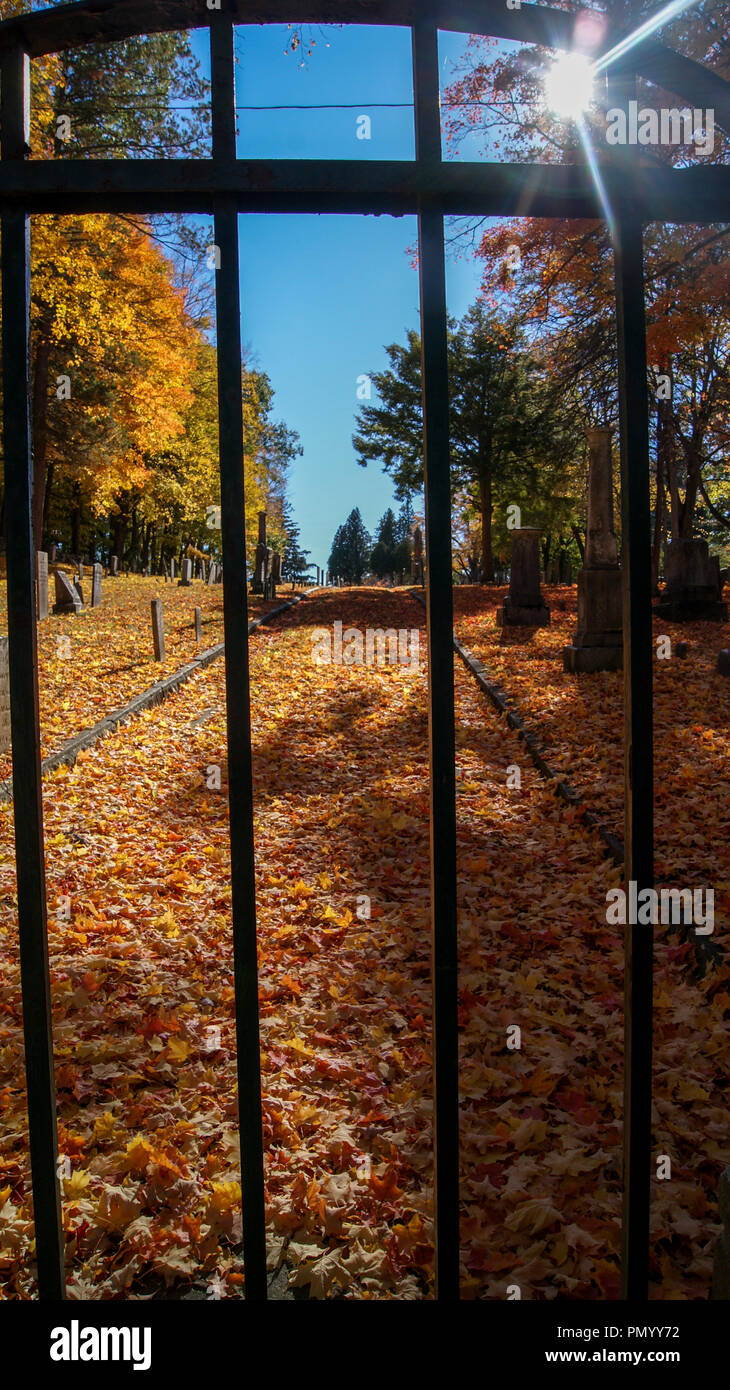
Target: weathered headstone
{"x": 198, "y": 625}
{"x": 524, "y": 606}
{"x": 212, "y": 573}
{"x": 41, "y": 599}
{"x": 275, "y": 572}
{"x": 186, "y": 576}
{"x": 113, "y": 566}
{"x": 693, "y": 588}
{"x": 52, "y": 552}
{"x": 80, "y": 574}
{"x": 417, "y": 557}
{"x": 723, "y": 662}
{"x": 67, "y": 599}
{"x": 201, "y": 571}
{"x": 4, "y": 695}
{"x": 172, "y": 568}
{"x": 78, "y": 586}
{"x": 95, "y": 586}
{"x": 598, "y": 639}
{"x": 158, "y": 629}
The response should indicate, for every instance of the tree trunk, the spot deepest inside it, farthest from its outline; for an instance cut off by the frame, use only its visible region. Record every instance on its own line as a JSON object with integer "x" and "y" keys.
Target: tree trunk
{"x": 39, "y": 427}
{"x": 485, "y": 506}
{"x": 76, "y": 524}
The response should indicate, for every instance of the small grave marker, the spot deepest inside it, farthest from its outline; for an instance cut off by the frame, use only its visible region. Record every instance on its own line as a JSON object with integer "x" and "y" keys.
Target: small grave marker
{"x": 41, "y": 584}
{"x": 158, "y": 629}
{"x": 95, "y": 586}
{"x": 67, "y": 597}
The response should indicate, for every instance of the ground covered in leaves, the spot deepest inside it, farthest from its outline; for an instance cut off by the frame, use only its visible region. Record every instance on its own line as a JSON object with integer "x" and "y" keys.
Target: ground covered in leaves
{"x": 141, "y": 964}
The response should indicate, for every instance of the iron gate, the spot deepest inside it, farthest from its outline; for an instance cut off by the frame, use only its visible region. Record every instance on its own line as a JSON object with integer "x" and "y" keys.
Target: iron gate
{"x": 431, "y": 188}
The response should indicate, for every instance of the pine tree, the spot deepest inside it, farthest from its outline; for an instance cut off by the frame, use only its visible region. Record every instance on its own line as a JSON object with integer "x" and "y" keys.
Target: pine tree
{"x": 350, "y": 556}
{"x": 294, "y": 566}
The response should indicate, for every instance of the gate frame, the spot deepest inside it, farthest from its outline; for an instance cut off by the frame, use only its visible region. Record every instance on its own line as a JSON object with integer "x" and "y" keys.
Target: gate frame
{"x": 225, "y": 186}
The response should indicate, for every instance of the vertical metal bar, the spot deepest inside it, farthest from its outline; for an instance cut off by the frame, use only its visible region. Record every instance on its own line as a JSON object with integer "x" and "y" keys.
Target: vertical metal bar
{"x": 638, "y": 748}
{"x": 238, "y": 693}
{"x": 24, "y": 718}
{"x": 440, "y": 620}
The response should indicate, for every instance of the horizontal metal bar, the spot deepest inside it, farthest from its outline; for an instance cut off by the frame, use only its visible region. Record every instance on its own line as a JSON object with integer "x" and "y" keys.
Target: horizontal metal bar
{"x": 98, "y": 21}
{"x": 65, "y": 27}
{"x": 364, "y": 186}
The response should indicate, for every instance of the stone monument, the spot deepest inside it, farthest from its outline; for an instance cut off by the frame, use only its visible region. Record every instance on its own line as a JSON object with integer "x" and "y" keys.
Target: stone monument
{"x": 693, "y": 589}
{"x": 524, "y": 606}
{"x": 598, "y": 639}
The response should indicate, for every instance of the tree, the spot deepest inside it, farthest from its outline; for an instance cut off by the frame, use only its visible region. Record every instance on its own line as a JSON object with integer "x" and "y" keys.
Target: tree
{"x": 391, "y": 554}
{"x": 503, "y": 418}
{"x": 295, "y": 564}
{"x": 557, "y": 275}
{"x": 350, "y": 555}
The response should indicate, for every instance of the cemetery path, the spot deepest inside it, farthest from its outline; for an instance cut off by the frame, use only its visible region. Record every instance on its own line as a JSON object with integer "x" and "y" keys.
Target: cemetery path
{"x": 143, "y": 1002}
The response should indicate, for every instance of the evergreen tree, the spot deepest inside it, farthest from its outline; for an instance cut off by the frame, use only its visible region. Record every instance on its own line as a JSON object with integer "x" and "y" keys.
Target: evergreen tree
{"x": 294, "y": 566}
{"x": 391, "y": 553}
{"x": 350, "y": 556}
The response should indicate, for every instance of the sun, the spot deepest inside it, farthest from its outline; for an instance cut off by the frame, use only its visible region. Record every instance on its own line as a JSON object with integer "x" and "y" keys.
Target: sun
{"x": 569, "y": 85}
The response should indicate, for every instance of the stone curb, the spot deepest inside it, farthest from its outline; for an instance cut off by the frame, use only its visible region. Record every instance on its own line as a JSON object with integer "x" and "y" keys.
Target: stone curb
{"x": 154, "y": 695}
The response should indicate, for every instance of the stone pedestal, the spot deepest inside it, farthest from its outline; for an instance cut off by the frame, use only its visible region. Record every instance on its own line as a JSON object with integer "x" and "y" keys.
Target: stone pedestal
{"x": 598, "y": 640}
{"x": 524, "y": 605}
{"x": 692, "y": 591}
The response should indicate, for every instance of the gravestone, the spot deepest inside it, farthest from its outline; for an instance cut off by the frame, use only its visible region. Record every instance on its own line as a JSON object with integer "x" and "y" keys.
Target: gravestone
{"x": 41, "y": 598}
{"x": 693, "y": 588}
{"x": 67, "y": 598}
{"x": 259, "y": 572}
{"x": 95, "y": 586}
{"x": 524, "y": 606}
{"x": 198, "y": 625}
{"x": 4, "y": 695}
{"x": 201, "y": 571}
{"x": 78, "y": 586}
{"x": 598, "y": 639}
{"x": 52, "y": 552}
{"x": 158, "y": 629}
{"x": 113, "y": 566}
{"x": 723, "y": 662}
{"x": 212, "y": 573}
{"x": 80, "y": 574}
{"x": 186, "y": 576}
{"x": 417, "y": 557}
{"x": 275, "y": 572}
{"x": 172, "y": 568}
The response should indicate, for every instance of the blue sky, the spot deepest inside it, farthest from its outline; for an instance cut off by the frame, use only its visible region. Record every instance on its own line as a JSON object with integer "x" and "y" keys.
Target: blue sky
{"x": 321, "y": 296}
